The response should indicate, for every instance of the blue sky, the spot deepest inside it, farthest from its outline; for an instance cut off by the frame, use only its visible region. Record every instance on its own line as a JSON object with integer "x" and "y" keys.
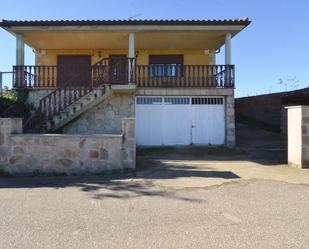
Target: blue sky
{"x": 274, "y": 46}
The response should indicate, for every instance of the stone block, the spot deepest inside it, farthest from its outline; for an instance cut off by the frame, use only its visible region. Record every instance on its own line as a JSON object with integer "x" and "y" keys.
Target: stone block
{"x": 15, "y": 159}
{"x": 5, "y": 151}
{"x": 103, "y": 154}
{"x": 305, "y": 111}
{"x": 2, "y": 139}
{"x": 93, "y": 154}
{"x": 65, "y": 162}
{"x": 18, "y": 150}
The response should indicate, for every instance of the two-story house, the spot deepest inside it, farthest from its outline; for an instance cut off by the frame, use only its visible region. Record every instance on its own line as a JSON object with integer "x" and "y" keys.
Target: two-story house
{"x": 89, "y": 74}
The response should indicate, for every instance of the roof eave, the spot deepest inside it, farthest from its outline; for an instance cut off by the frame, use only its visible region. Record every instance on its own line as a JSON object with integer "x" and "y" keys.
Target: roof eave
{"x": 11, "y": 23}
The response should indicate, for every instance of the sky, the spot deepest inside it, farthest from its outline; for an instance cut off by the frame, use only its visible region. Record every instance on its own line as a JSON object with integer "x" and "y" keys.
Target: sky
{"x": 274, "y": 48}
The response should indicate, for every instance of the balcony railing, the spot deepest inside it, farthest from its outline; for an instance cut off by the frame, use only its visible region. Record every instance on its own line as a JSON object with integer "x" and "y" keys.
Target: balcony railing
{"x": 34, "y": 76}
{"x": 169, "y": 75}
{"x": 219, "y": 76}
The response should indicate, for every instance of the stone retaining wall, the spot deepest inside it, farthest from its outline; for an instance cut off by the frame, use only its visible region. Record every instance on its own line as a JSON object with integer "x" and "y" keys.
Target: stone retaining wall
{"x": 27, "y": 154}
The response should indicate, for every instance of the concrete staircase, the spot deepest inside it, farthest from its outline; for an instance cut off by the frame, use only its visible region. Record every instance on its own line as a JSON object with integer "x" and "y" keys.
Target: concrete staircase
{"x": 64, "y": 105}
{"x": 77, "y": 108}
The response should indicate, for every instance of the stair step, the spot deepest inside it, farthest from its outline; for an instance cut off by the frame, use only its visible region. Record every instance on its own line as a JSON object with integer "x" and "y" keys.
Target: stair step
{"x": 76, "y": 108}
{"x": 64, "y": 114}
{"x": 49, "y": 125}
{"x": 57, "y": 119}
{"x": 78, "y": 104}
{"x": 89, "y": 98}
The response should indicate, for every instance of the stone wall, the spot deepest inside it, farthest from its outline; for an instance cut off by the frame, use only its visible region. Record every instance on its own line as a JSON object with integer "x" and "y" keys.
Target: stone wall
{"x": 35, "y": 96}
{"x": 105, "y": 117}
{"x": 27, "y": 154}
{"x": 298, "y": 136}
{"x": 230, "y": 121}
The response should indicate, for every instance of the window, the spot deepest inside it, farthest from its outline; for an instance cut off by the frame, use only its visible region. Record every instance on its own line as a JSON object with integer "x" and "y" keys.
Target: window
{"x": 177, "y": 100}
{"x": 207, "y": 101}
{"x": 148, "y": 100}
{"x": 165, "y": 65}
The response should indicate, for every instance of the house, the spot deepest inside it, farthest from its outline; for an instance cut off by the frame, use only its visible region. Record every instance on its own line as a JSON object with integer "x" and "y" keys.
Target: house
{"x": 91, "y": 74}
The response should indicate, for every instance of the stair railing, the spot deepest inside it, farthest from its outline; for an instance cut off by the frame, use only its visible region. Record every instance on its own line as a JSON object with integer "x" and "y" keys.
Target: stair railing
{"x": 66, "y": 94}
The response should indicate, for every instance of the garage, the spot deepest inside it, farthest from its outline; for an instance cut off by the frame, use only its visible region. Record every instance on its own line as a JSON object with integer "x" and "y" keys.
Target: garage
{"x": 180, "y": 120}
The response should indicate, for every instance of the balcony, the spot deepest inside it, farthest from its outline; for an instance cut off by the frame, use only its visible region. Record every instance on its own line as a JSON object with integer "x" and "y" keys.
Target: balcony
{"x": 124, "y": 72}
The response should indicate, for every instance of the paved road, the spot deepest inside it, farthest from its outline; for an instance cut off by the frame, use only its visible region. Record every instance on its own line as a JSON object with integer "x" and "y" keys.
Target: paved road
{"x": 91, "y": 213}
{"x": 197, "y": 199}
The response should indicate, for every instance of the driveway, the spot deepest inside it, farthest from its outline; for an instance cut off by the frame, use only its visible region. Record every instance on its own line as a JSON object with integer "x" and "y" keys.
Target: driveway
{"x": 182, "y": 197}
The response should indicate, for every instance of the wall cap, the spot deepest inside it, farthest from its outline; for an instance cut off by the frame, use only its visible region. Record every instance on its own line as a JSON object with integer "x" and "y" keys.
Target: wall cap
{"x": 295, "y": 106}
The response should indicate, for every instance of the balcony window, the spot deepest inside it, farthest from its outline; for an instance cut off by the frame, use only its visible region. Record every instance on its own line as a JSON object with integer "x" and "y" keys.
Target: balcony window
{"x": 165, "y": 65}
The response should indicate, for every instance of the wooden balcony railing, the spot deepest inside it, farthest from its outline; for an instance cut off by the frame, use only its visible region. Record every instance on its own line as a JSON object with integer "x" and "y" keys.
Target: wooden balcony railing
{"x": 218, "y": 76}
{"x": 113, "y": 71}
{"x": 34, "y": 76}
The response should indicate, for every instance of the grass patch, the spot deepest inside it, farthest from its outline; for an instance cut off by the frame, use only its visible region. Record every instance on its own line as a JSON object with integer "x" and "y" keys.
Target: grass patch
{"x": 256, "y": 123}
{"x": 190, "y": 151}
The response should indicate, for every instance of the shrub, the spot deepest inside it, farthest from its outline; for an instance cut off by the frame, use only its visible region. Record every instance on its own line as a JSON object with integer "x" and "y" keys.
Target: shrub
{"x": 14, "y": 104}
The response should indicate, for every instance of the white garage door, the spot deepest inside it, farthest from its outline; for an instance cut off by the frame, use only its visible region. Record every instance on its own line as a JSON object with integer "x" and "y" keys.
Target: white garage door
{"x": 180, "y": 120}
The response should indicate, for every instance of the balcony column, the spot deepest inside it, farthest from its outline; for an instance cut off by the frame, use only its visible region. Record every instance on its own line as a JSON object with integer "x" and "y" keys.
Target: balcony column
{"x": 228, "y": 48}
{"x": 229, "y": 81}
{"x": 131, "y": 62}
{"x": 20, "y": 50}
{"x": 20, "y": 61}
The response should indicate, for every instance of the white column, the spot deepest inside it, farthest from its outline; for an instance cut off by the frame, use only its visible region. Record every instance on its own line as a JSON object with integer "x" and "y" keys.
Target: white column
{"x": 131, "y": 55}
{"x": 228, "y": 47}
{"x": 131, "y": 46}
{"x": 20, "y": 50}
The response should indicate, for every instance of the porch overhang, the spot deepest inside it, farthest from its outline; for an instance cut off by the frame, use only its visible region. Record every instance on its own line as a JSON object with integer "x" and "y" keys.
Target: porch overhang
{"x": 149, "y": 34}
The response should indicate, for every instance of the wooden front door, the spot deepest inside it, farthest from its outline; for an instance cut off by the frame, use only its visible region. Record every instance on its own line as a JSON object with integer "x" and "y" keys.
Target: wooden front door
{"x": 118, "y": 69}
{"x": 74, "y": 70}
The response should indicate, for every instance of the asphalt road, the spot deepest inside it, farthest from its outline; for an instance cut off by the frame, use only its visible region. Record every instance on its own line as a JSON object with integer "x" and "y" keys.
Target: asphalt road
{"x": 91, "y": 213}
{"x": 213, "y": 199}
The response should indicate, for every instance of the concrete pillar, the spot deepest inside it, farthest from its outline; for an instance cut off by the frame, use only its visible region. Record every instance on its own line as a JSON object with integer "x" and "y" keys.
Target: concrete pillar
{"x": 20, "y": 50}
{"x": 131, "y": 72}
{"x": 20, "y": 61}
{"x": 230, "y": 121}
{"x": 129, "y": 143}
{"x": 298, "y": 136}
{"x": 228, "y": 47}
{"x": 131, "y": 45}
